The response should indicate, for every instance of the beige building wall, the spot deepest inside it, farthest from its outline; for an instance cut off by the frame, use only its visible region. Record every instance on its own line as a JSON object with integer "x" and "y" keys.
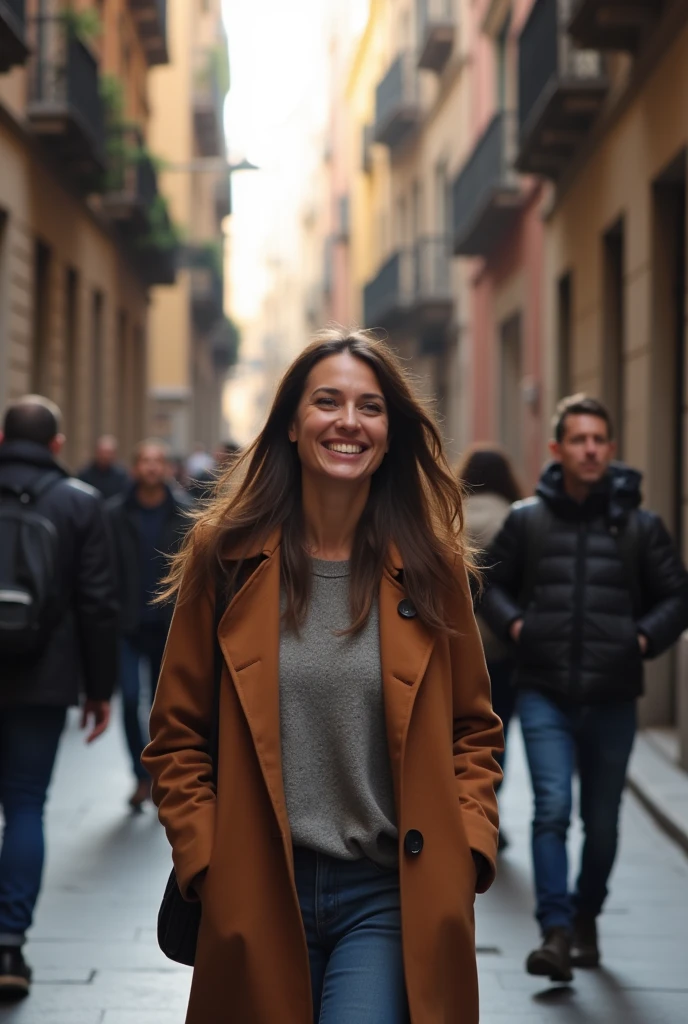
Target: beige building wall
{"x": 76, "y": 335}
{"x": 635, "y": 175}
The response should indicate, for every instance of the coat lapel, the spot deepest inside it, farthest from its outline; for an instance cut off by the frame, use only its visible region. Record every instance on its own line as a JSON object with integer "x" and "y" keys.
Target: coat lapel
{"x": 405, "y": 649}
{"x": 249, "y": 635}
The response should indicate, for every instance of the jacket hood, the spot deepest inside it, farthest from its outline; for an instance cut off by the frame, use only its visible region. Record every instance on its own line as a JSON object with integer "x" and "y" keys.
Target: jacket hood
{"x": 31, "y": 454}
{"x": 618, "y": 493}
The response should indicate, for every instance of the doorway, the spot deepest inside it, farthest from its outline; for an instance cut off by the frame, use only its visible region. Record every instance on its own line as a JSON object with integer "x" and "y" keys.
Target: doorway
{"x": 511, "y": 374}
{"x": 613, "y": 341}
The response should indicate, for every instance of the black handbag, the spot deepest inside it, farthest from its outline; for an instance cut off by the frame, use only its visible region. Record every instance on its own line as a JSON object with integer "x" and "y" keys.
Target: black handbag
{"x": 179, "y": 919}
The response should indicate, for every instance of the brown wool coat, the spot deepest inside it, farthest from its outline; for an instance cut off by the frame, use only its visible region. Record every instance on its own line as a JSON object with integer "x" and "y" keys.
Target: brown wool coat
{"x": 252, "y": 961}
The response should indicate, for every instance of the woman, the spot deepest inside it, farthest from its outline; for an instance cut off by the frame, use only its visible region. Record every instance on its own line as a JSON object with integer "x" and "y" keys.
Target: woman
{"x": 486, "y": 473}
{"x": 355, "y": 771}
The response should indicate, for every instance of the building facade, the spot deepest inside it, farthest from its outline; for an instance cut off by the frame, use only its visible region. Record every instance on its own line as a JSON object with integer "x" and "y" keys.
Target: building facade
{"x": 192, "y": 343}
{"x": 612, "y": 138}
{"x": 78, "y": 252}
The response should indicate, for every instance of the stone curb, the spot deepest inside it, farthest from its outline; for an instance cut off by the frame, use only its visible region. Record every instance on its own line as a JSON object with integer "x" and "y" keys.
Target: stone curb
{"x": 662, "y": 788}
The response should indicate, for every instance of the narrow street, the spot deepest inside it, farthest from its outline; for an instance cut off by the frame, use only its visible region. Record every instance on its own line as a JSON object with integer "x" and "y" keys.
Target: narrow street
{"x": 96, "y": 961}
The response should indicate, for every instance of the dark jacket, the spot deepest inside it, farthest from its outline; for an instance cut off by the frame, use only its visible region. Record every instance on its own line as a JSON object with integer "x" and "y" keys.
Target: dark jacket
{"x": 109, "y": 482}
{"x": 123, "y": 520}
{"x": 82, "y": 651}
{"x": 591, "y": 592}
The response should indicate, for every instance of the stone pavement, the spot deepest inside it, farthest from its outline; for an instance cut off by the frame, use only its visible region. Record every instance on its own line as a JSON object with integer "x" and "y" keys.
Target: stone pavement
{"x": 96, "y": 961}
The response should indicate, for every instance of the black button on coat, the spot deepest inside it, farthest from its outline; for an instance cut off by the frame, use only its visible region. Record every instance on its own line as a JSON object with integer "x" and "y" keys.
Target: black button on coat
{"x": 413, "y": 842}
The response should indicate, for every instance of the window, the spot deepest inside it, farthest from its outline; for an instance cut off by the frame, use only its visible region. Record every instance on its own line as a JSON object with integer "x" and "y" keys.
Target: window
{"x": 40, "y": 368}
{"x": 510, "y": 387}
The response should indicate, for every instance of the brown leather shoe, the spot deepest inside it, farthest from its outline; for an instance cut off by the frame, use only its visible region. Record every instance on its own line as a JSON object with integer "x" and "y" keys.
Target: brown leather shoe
{"x": 140, "y": 794}
{"x": 552, "y": 960}
{"x": 585, "y": 951}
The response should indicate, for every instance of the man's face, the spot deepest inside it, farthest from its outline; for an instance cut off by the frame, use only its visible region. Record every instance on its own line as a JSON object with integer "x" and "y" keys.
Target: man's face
{"x": 150, "y": 468}
{"x": 586, "y": 450}
{"x": 106, "y": 453}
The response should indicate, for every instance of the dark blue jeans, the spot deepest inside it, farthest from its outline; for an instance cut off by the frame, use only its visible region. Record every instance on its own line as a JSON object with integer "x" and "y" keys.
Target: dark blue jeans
{"x": 29, "y": 738}
{"x": 352, "y": 916}
{"x": 597, "y": 740}
{"x": 146, "y": 648}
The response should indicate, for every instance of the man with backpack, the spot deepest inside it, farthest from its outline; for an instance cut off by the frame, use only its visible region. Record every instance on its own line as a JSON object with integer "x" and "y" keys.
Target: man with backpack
{"x": 584, "y": 584}
{"x": 58, "y": 643}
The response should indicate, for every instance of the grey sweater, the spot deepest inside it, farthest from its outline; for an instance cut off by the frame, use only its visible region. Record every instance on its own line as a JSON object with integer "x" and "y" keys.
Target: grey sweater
{"x": 335, "y": 759}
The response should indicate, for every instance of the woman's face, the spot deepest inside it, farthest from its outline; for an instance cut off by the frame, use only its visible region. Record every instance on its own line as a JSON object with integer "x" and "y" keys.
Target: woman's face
{"x": 341, "y": 428}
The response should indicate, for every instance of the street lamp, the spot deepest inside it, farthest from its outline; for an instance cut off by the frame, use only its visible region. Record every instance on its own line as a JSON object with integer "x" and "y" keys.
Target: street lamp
{"x": 211, "y": 165}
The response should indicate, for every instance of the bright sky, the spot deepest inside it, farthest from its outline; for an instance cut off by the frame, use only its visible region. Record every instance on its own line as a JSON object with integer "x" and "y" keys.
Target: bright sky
{"x": 276, "y": 104}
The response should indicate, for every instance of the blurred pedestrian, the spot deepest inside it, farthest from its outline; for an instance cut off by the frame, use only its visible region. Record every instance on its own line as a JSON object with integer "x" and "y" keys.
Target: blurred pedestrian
{"x": 354, "y": 718}
{"x": 104, "y": 472}
{"x": 492, "y": 488}
{"x": 58, "y": 641}
{"x": 586, "y": 584}
{"x": 148, "y": 524}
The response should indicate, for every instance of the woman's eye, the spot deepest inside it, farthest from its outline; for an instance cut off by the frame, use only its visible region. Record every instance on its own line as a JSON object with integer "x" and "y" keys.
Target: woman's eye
{"x": 326, "y": 401}
{"x": 372, "y": 407}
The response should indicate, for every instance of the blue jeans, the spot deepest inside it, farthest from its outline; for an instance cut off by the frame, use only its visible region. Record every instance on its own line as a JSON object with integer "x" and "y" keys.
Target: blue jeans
{"x": 597, "y": 740}
{"x": 352, "y": 917}
{"x": 29, "y": 738}
{"x": 148, "y": 646}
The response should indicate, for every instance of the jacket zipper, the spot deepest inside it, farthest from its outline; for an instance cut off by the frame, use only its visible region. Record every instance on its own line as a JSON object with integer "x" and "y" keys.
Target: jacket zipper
{"x": 579, "y": 598}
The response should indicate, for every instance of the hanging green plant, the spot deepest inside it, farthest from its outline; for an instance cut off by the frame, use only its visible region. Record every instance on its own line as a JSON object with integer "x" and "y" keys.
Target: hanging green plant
{"x": 163, "y": 234}
{"x": 84, "y": 25}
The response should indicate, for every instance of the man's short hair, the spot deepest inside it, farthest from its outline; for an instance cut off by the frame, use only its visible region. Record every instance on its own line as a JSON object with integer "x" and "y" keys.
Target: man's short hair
{"x": 32, "y": 418}
{"x": 151, "y": 442}
{"x": 579, "y": 405}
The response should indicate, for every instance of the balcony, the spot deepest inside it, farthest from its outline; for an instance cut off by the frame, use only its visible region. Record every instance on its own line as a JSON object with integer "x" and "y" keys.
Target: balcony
{"x": 131, "y": 180}
{"x": 151, "y": 22}
{"x": 561, "y": 90}
{"x": 436, "y": 30}
{"x": 208, "y": 103}
{"x": 397, "y": 103}
{"x": 613, "y": 24}
{"x": 412, "y": 290}
{"x": 13, "y": 48}
{"x": 64, "y": 107}
{"x": 223, "y": 197}
{"x": 224, "y": 344}
{"x": 486, "y": 194}
{"x": 207, "y": 286}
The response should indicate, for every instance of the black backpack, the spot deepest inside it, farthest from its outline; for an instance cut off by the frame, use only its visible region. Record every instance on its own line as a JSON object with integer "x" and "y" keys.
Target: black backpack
{"x": 29, "y": 558}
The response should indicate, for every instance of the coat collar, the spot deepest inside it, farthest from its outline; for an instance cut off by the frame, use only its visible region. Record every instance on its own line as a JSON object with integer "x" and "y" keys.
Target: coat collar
{"x": 249, "y": 637}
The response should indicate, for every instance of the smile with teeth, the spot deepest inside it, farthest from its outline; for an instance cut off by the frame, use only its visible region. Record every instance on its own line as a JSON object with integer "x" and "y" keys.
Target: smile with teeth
{"x": 344, "y": 449}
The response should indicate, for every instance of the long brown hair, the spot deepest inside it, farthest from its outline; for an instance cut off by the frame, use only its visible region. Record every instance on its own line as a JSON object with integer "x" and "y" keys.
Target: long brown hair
{"x": 414, "y": 501}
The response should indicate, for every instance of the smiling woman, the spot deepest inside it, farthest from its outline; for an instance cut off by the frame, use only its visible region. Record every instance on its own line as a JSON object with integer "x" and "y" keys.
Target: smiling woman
{"x": 354, "y": 720}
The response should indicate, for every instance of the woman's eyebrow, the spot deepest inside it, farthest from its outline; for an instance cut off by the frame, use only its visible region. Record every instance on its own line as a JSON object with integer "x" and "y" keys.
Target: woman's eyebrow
{"x": 336, "y": 391}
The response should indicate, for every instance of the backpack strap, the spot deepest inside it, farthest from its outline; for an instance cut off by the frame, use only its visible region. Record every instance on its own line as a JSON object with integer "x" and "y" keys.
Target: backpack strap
{"x": 35, "y": 491}
{"x": 537, "y": 518}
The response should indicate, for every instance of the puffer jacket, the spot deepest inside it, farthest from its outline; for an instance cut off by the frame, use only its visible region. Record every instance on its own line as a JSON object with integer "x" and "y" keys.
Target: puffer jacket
{"x": 586, "y": 604}
{"x": 81, "y": 656}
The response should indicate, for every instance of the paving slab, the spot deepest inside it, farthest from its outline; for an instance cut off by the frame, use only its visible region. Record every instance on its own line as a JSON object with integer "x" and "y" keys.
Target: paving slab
{"x": 96, "y": 961}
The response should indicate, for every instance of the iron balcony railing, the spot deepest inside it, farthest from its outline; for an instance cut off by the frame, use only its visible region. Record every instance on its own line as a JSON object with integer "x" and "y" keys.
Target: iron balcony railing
{"x": 63, "y": 80}
{"x": 131, "y": 180}
{"x": 547, "y": 56}
{"x": 611, "y": 25}
{"x": 410, "y": 279}
{"x": 13, "y": 48}
{"x": 486, "y": 190}
{"x": 397, "y": 101}
{"x": 436, "y": 30}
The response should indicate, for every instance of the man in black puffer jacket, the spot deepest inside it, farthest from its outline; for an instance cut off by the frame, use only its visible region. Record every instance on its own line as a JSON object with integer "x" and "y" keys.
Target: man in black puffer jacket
{"x": 584, "y": 584}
